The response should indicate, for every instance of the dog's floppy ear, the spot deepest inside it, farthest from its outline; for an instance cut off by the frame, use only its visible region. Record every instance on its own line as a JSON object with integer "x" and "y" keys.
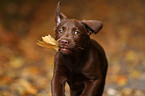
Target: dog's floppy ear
{"x": 59, "y": 17}
{"x": 93, "y": 26}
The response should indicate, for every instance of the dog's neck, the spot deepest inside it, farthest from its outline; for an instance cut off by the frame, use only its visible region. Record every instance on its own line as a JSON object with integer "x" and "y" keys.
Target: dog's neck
{"x": 73, "y": 61}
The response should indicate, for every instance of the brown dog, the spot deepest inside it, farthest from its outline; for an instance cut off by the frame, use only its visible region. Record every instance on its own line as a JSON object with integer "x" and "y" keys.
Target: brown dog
{"x": 80, "y": 61}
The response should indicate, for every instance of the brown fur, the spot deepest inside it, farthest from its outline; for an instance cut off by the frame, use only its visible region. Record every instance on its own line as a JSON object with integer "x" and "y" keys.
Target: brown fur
{"x": 80, "y": 61}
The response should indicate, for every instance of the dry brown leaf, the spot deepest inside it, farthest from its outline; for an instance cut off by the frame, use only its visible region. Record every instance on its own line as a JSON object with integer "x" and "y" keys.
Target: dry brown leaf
{"x": 135, "y": 74}
{"x": 28, "y": 87}
{"x": 16, "y": 62}
{"x": 48, "y": 42}
{"x": 121, "y": 80}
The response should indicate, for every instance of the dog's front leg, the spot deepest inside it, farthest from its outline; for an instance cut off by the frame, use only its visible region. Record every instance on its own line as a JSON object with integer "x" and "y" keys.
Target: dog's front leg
{"x": 92, "y": 88}
{"x": 58, "y": 84}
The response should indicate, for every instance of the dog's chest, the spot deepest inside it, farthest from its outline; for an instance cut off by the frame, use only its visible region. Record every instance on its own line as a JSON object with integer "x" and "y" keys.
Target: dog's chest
{"x": 76, "y": 80}
{"x": 74, "y": 74}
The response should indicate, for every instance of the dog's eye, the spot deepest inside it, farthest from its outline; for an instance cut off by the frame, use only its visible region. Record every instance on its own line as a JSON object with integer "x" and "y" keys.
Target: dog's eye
{"x": 60, "y": 31}
{"x": 76, "y": 32}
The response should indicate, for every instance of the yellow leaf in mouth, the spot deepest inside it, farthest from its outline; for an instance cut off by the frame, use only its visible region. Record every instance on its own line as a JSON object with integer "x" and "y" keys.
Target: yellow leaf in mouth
{"x": 48, "y": 42}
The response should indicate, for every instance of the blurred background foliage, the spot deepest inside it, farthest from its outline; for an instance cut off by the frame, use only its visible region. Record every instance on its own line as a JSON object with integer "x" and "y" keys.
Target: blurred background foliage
{"x": 26, "y": 69}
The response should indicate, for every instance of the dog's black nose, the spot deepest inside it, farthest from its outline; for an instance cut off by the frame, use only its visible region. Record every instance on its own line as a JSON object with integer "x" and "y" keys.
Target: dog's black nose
{"x": 64, "y": 42}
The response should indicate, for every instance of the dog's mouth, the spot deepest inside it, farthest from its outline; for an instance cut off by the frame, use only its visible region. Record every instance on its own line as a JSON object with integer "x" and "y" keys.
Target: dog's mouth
{"x": 69, "y": 49}
{"x": 65, "y": 50}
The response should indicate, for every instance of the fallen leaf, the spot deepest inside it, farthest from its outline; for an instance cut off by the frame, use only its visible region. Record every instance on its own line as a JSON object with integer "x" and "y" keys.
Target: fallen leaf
{"x": 16, "y": 62}
{"x": 112, "y": 92}
{"x": 138, "y": 93}
{"x": 126, "y": 91}
{"x": 121, "y": 80}
{"x": 135, "y": 74}
{"x": 28, "y": 87}
{"x": 5, "y": 80}
{"x": 131, "y": 56}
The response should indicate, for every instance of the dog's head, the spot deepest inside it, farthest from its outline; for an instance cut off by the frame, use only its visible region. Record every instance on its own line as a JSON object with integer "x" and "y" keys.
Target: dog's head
{"x": 73, "y": 35}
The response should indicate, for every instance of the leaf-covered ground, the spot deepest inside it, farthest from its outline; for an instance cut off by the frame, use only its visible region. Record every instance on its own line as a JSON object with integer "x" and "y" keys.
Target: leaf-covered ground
{"x": 26, "y": 69}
